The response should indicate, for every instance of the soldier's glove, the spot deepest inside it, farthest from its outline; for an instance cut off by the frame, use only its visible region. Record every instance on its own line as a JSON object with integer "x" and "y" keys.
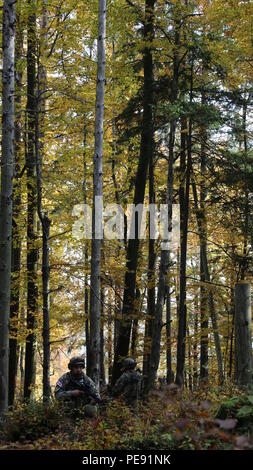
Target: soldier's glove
{"x": 93, "y": 402}
{"x": 77, "y": 393}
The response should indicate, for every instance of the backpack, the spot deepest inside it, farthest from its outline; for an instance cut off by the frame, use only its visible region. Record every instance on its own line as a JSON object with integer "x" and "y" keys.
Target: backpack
{"x": 133, "y": 386}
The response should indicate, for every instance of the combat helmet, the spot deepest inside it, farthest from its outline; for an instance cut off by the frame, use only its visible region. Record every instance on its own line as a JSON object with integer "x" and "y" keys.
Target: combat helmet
{"x": 128, "y": 363}
{"x": 76, "y": 361}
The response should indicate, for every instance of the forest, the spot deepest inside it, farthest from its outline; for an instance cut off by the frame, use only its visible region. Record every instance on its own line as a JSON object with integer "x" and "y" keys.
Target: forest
{"x": 126, "y": 223}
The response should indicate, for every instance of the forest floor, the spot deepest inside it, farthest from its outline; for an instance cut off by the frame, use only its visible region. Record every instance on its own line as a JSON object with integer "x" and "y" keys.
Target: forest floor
{"x": 205, "y": 419}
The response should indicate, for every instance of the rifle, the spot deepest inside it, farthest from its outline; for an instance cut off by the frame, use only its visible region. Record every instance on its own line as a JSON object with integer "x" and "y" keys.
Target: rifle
{"x": 84, "y": 388}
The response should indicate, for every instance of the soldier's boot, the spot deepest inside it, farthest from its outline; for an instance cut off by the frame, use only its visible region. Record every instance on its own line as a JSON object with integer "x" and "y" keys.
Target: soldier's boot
{"x": 90, "y": 411}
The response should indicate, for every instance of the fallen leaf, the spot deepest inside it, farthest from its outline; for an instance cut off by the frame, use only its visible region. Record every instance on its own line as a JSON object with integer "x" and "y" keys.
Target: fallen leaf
{"x": 226, "y": 423}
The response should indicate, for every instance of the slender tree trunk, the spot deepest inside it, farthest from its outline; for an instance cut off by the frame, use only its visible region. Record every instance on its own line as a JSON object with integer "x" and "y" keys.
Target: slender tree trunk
{"x": 195, "y": 344}
{"x": 21, "y": 365}
{"x": 189, "y": 359}
{"x": 32, "y": 250}
{"x": 109, "y": 345}
{"x": 184, "y": 210}
{"x": 22, "y": 355}
{"x": 203, "y": 290}
{"x": 149, "y": 321}
{"x": 165, "y": 251}
{"x": 135, "y": 323}
{"x": 231, "y": 351}
{"x": 169, "y": 373}
{"x": 16, "y": 235}
{"x": 8, "y": 45}
{"x": 97, "y": 196}
{"x": 203, "y": 322}
{"x": 102, "y": 356}
{"x": 243, "y": 334}
{"x": 182, "y": 297}
{"x": 102, "y": 339}
{"x": 117, "y": 310}
{"x": 43, "y": 216}
{"x": 122, "y": 346}
{"x": 210, "y": 296}
{"x": 87, "y": 339}
{"x": 246, "y": 204}
{"x": 46, "y": 308}
{"x": 134, "y": 337}
{"x": 85, "y": 253}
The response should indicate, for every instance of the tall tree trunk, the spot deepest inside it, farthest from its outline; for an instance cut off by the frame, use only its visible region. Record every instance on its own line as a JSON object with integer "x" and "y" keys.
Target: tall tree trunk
{"x": 32, "y": 249}
{"x": 43, "y": 216}
{"x": 210, "y": 296}
{"x": 165, "y": 251}
{"x": 195, "y": 344}
{"x": 203, "y": 289}
{"x": 184, "y": 210}
{"x": 122, "y": 346}
{"x": 231, "y": 339}
{"x": 8, "y": 84}
{"x": 135, "y": 323}
{"x": 87, "y": 335}
{"x": 22, "y": 355}
{"x": 16, "y": 235}
{"x": 243, "y": 334}
{"x": 149, "y": 321}
{"x": 102, "y": 339}
{"x": 246, "y": 204}
{"x": 109, "y": 344}
{"x": 46, "y": 307}
{"x": 117, "y": 310}
{"x": 203, "y": 322}
{"x": 134, "y": 337}
{"x": 97, "y": 196}
{"x": 85, "y": 254}
{"x": 169, "y": 372}
{"x": 21, "y": 365}
{"x": 189, "y": 344}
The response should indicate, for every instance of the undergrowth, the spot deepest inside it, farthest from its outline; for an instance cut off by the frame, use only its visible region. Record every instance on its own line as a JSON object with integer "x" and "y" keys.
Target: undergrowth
{"x": 208, "y": 418}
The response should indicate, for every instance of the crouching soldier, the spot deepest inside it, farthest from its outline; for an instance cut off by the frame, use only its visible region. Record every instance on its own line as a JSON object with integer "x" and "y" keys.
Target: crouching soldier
{"x": 129, "y": 383}
{"x": 78, "y": 389}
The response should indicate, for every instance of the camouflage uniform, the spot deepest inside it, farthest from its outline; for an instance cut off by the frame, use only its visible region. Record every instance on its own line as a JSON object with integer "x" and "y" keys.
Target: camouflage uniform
{"x": 67, "y": 383}
{"x": 129, "y": 386}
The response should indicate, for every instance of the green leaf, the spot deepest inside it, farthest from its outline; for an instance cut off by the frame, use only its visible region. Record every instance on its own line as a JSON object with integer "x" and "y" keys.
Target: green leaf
{"x": 245, "y": 412}
{"x": 250, "y": 398}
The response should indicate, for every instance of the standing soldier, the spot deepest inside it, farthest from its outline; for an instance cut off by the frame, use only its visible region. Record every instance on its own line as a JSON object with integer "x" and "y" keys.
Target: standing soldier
{"x": 129, "y": 383}
{"x": 77, "y": 388}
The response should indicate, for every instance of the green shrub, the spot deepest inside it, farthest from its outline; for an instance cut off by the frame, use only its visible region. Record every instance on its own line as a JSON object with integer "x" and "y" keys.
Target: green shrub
{"x": 240, "y": 408}
{"x": 151, "y": 440}
{"x": 31, "y": 420}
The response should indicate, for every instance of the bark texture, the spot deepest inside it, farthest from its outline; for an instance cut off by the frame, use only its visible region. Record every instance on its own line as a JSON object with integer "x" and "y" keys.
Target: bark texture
{"x": 8, "y": 42}
{"x": 97, "y": 197}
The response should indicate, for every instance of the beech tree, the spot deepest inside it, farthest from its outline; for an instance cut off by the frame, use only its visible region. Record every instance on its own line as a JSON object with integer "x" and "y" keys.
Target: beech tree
{"x": 97, "y": 228}
{"x": 16, "y": 219}
{"x": 8, "y": 83}
{"x": 42, "y": 213}
{"x": 32, "y": 249}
